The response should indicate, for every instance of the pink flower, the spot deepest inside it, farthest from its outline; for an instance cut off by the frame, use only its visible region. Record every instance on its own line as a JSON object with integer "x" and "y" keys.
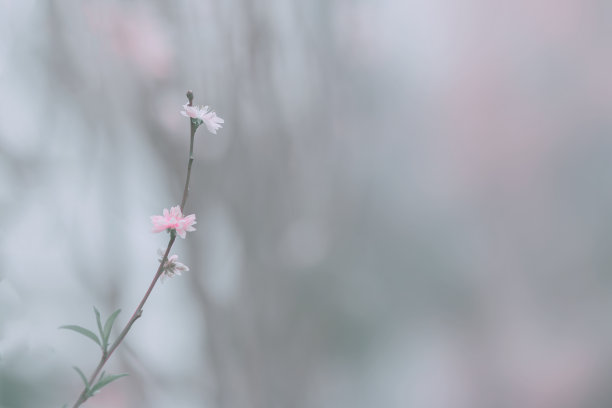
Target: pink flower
{"x": 172, "y": 266}
{"x": 210, "y": 119}
{"x": 173, "y": 220}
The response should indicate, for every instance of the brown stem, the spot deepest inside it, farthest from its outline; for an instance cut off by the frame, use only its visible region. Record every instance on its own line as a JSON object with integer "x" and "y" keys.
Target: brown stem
{"x": 193, "y": 130}
{"x": 138, "y": 312}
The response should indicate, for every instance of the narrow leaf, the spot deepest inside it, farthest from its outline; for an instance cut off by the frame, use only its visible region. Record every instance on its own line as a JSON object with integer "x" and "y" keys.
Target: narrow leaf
{"x": 109, "y": 324}
{"x": 105, "y": 381}
{"x": 84, "y": 332}
{"x": 78, "y": 370}
{"x": 99, "y": 322}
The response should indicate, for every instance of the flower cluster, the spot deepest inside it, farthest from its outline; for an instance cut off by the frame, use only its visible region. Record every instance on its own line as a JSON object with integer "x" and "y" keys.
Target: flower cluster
{"x": 172, "y": 266}
{"x": 174, "y": 220}
{"x": 210, "y": 119}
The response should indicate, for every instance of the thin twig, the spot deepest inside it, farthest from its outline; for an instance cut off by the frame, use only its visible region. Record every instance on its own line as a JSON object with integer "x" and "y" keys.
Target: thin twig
{"x": 193, "y": 130}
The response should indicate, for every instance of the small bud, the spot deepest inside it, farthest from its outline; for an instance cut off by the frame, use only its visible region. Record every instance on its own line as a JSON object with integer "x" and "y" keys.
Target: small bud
{"x": 190, "y": 97}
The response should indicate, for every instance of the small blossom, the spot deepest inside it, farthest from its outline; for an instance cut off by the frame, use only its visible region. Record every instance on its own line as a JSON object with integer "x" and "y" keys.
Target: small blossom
{"x": 172, "y": 266}
{"x": 174, "y": 220}
{"x": 210, "y": 119}
{"x": 194, "y": 112}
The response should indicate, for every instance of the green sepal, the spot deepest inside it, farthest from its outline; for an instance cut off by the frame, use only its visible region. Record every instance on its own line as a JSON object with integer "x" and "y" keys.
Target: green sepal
{"x": 196, "y": 122}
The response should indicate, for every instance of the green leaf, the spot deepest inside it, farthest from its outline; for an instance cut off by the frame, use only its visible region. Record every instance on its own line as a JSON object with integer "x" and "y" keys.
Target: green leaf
{"x": 84, "y": 332}
{"x": 105, "y": 381}
{"x": 109, "y": 325}
{"x": 78, "y": 370}
{"x": 99, "y": 322}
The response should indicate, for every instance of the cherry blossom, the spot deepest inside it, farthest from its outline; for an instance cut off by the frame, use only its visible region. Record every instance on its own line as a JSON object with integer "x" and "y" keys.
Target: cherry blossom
{"x": 172, "y": 266}
{"x": 210, "y": 118}
{"x": 174, "y": 220}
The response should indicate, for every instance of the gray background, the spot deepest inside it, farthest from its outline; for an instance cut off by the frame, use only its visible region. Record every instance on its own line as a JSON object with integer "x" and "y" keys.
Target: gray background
{"x": 409, "y": 204}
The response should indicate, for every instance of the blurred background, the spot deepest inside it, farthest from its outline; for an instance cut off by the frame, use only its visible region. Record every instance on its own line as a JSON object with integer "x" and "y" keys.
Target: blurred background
{"x": 409, "y": 204}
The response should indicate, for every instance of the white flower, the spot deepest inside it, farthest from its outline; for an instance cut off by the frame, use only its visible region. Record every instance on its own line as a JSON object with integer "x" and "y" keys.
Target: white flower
{"x": 194, "y": 112}
{"x": 210, "y": 119}
{"x": 171, "y": 266}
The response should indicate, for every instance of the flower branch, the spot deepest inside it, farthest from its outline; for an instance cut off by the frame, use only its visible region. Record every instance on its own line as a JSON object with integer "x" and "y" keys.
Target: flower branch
{"x": 175, "y": 223}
